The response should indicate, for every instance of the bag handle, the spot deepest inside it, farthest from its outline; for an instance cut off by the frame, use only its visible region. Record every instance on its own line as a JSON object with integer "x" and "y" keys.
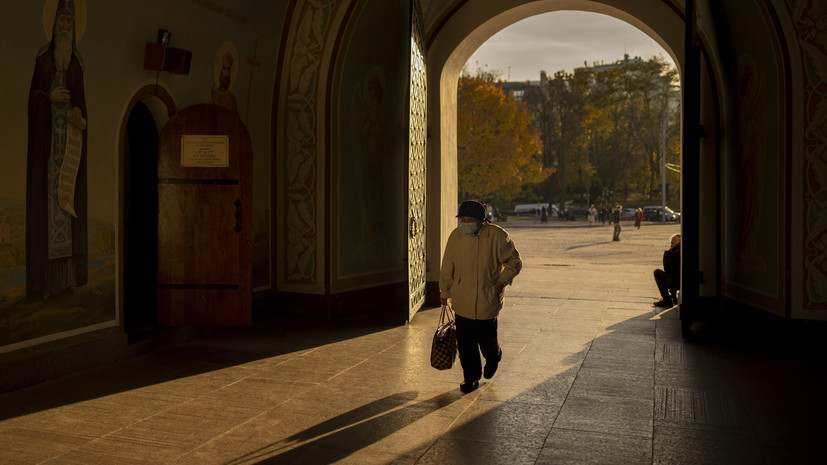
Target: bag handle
{"x": 447, "y": 313}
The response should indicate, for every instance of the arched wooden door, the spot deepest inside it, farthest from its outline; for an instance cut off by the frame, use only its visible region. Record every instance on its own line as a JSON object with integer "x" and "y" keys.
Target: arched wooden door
{"x": 204, "y": 219}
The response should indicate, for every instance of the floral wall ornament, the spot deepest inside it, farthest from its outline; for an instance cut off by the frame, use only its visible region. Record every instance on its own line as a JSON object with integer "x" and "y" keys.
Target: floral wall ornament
{"x": 300, "y": 199}
{"x": 810, "y": 19}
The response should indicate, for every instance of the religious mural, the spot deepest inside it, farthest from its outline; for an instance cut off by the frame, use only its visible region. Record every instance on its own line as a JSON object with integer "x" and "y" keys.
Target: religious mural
{"x": 226, "y": 69}
{"x": 373, "y": 148}
{"x": 751, "y": 161}
{"x": 57, "y": 264}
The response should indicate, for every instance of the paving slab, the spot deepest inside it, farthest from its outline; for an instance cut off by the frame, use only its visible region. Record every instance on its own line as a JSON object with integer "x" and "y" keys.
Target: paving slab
{"x": 591, "y": 374}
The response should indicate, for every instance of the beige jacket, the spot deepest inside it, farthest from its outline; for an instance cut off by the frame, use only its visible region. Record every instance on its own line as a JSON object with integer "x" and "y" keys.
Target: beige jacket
{"x": 472, "y": 265}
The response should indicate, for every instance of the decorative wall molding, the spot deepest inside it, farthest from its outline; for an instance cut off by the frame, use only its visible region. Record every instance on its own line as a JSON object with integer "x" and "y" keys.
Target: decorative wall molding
{"x": 300, "y": 211}
{"x": 810, "y": 19}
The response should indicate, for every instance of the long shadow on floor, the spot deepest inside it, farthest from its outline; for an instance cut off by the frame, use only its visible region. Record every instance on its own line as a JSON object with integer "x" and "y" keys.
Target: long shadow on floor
{"x": 596, "y": 407}
{"x": 641, "y": 399}
{"x": 225, "y": 348}
{"x": 339, "y": 437}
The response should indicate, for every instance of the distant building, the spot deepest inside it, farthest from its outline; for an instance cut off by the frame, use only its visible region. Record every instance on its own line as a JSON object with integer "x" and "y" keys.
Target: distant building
{"x": 520, "y": 89}
{"x": 626, "y": 61}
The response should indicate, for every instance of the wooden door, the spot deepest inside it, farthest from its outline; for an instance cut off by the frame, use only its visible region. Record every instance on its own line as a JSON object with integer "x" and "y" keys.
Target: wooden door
{"x": 204, "y": 219}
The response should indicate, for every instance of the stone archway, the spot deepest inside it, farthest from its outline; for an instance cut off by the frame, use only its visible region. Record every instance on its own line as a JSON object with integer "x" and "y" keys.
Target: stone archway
{"x": 455, "y": 38}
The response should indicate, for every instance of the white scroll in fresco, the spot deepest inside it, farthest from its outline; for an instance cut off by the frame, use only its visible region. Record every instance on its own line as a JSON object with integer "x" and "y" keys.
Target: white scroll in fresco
{"x": 71, "y": 161}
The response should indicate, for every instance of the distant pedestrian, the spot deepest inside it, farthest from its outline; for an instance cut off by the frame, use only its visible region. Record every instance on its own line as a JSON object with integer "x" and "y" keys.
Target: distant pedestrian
{"x": 615, "y": 218}
{"x": 479, "y": 261}
{"x": 592, "y": 215}
{"x": 638, "y": 217}
{"x": 537, "y": 213}
{"x": 543, "y": 214}
{"x": 603, "y": 215}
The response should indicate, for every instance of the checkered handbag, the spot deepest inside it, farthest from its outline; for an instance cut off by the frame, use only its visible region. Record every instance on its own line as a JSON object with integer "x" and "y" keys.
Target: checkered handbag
{"x": 444, "y": 346}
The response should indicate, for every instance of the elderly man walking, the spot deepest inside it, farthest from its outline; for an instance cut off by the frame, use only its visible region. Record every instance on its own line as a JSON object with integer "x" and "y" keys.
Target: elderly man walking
{"x": 479, "y": 261}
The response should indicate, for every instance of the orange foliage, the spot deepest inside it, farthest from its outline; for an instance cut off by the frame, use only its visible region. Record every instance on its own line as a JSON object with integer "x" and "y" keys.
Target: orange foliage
{"x": 499, "y": 149}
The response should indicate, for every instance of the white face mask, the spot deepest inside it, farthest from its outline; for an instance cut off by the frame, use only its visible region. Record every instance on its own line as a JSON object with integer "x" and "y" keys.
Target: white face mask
{"x": 470, "y": 228}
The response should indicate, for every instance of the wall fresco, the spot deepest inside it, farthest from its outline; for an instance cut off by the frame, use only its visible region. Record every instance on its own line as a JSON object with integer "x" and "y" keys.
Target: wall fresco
{"x": 373, "y": 140}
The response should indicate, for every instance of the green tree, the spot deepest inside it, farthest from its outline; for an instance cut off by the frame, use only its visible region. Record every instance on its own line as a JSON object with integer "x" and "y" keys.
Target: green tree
{"x": 563, "y": 111}
{"x": 498, "y": 148}
{"x": 654, "y": 94}
{"x": 602, "y": 129}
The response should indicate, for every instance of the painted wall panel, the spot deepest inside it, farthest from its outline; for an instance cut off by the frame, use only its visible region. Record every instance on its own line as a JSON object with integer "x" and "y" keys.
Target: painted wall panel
{"x": 753, "y": 156}
{"x": 112, "y": 45}
{"x": 372, "y": 146}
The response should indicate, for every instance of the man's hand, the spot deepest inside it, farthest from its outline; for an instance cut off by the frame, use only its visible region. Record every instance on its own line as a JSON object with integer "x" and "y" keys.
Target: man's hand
{"x": 499, "y": 287}
{"x": 443, "y": 300}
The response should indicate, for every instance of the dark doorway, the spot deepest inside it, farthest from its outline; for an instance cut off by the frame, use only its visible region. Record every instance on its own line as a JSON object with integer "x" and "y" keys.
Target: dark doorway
{"x": 140, "y": 240}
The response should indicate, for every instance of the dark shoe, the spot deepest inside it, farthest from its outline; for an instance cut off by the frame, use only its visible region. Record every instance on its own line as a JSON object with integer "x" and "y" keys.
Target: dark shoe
{"x": 469, "y": 386}
{"x": 491, "y": 366}
{"x": 662, "y": 303}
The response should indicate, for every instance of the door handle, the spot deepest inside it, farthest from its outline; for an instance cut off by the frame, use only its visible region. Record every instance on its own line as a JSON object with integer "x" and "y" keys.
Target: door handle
{"x": 237, "y": 204}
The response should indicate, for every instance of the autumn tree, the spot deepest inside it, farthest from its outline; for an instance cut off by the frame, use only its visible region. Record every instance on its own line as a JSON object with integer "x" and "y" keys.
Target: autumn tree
{"x": 498, "y": 148}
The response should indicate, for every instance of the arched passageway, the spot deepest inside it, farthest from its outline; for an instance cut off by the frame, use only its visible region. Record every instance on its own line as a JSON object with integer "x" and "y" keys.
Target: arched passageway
{"x": 147, "y": 112}
{"x": 453, "y": 39}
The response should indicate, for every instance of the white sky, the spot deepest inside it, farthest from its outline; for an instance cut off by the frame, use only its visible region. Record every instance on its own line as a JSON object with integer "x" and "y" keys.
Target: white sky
{"x": 561, "y": 40}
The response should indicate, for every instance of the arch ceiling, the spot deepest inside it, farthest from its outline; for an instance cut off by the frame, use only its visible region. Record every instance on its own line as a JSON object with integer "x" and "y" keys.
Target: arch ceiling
{"x": 462, "y": 26}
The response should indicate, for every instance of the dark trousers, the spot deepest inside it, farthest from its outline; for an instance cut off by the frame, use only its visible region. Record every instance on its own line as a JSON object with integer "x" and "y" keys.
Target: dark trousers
{"x": 616, "y": 236}
{"x": 473, "y": 337}
{"x": 667, "y": 285}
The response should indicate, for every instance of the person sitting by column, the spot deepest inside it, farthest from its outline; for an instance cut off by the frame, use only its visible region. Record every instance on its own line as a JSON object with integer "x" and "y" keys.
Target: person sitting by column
{"x": 669, "y": 278}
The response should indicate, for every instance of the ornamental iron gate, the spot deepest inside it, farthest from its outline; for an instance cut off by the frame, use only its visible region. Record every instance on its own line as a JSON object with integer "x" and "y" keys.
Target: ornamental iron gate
{"x": 416, "y": 165}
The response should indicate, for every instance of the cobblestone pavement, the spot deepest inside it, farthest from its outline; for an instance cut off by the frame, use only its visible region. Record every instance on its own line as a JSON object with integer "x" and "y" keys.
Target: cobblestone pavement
{"x": 591, "y": 373}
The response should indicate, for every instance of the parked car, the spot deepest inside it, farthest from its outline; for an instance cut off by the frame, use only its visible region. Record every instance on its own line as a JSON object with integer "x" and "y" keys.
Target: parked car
{"x": 654, "y": 213}
{"x": 578, "y": 214}
{"x": 627, "y": 214}
{"x": 530, "y": 209}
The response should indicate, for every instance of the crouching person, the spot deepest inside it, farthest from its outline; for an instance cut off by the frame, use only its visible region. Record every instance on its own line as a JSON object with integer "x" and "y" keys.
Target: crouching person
{"x": 669, "y": 278}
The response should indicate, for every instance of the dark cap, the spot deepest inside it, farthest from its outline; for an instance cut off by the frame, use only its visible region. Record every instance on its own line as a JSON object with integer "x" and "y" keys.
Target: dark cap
{"x": 472, "y": 209}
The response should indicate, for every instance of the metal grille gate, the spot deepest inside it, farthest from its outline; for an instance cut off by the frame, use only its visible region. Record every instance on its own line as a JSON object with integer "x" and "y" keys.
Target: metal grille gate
{"x": 416, "y": 164}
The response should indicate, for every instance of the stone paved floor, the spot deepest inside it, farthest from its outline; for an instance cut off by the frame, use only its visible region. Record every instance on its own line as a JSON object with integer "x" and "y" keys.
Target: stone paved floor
{"x": 592, "y": 373}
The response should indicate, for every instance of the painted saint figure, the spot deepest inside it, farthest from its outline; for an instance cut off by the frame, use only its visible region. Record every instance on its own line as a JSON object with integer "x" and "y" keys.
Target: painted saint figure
{"x": 56, "y": 233}
{"x": 220, "y": 94}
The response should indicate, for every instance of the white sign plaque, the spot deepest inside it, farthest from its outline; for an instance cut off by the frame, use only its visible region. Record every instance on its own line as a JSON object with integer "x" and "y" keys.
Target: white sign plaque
{"x": 205, "y": 151}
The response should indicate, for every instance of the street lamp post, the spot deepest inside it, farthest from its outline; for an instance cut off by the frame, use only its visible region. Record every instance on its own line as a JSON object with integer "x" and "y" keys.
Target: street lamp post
{"x": 588, "y": 184}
